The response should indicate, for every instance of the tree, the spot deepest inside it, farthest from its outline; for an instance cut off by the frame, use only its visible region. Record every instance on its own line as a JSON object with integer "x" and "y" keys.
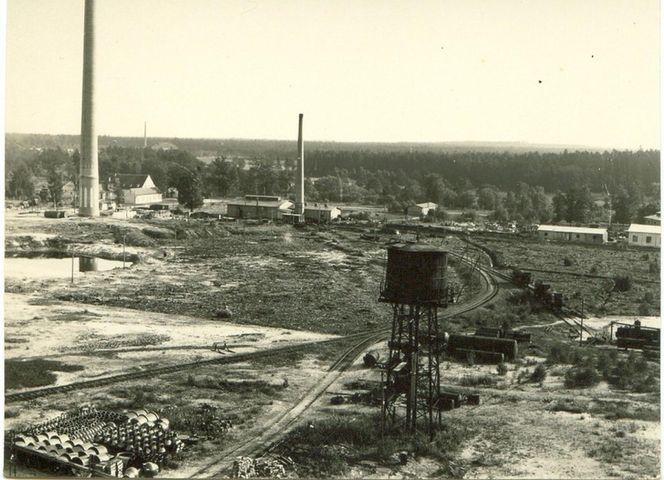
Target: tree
{"x": 579, "y": 204}
{"x": 488, "y": 198}
{"x": 21, "y": 182}
{"x": 559, "y": 206}
{"x": 467, "y": 200}
{"x": 222, "y": 177}
{"x": 55, "y": 182}
{"x": 624, "y": 206}
{"x": 188, "y": 184}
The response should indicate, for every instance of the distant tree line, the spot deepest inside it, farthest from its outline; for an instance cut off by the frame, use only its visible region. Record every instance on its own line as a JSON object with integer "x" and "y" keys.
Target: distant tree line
{"x": 528, "y": 187}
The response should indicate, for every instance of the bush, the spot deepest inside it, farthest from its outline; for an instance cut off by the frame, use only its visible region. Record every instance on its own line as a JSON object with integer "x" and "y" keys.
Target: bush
{"x": 559, "y": 354}
{"x": 539, "y": 374}
{"x": 581, "y": 377}
{"x": 622, "y": 284}
{"x": 653, "y": 267}
{"x": 476, "y": 380}
{"x": 648, "y": 297}
{"x": 643, "y": 309}
{"x": 159, "y": 233}
{"x": 568, "y": 262}
{"x": 593, "y": 270}
{"x": 501, "y": 368}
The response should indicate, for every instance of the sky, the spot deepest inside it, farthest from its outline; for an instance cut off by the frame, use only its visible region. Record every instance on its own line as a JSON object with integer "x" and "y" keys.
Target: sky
{"x": 572, "y": 72}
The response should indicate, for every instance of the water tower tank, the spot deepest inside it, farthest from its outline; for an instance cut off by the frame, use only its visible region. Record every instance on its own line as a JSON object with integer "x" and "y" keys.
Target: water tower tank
{"x": 415, "y": 275}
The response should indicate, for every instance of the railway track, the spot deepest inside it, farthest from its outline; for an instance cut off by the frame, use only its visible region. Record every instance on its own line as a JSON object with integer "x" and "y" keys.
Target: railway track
{"x": 275, "y": 431}
{"x": 281, "y": 425}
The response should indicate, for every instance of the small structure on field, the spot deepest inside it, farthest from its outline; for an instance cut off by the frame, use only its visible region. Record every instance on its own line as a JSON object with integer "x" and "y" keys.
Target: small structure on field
{"x": 644, "y": 235}
{"x": 321, "y": 214}
{"x": 254, "y": 206}
{"x": 421, "y": 209}
{"x": 573, "y": 234}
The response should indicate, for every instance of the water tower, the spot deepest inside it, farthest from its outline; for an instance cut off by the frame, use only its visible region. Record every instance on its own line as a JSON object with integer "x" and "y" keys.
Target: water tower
{"x": 415, "y": 285}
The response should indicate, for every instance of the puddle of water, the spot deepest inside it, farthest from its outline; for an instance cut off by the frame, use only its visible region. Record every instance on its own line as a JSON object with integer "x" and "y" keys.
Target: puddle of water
{"x": 43, "y": 268}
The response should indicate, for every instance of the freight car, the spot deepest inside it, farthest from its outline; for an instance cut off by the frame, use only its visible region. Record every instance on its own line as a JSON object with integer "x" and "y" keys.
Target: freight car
{"x": 551, "y": 299}
{"x": 636, "y": 336}
{"x": 507, "y": 347}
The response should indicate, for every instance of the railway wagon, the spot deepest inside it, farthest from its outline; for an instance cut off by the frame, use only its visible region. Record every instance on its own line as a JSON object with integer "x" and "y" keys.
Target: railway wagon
{"x": 636, "y": 336}
{"x": 507, "y": 347}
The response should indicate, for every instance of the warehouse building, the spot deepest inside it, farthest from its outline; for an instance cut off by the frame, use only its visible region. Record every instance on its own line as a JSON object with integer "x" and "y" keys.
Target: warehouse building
{"x": 654, "y": 219}
{"x": 321, "y": 214}
{"x": 572, "y": 234}
{"x": 254, "y": 207}
{"x": 644, "y": 235}
{"x": 421, "y": 209}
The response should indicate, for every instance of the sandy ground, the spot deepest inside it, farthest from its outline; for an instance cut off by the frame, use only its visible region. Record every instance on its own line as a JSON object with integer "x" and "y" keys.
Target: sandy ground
{"x": 54, "y": 330}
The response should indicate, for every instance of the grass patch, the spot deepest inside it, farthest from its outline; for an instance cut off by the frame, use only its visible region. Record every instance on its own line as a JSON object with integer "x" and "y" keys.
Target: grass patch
{"x": 34, "y": 373}
{"x": 329, "y": 447}
{"x": 484, "y": 380}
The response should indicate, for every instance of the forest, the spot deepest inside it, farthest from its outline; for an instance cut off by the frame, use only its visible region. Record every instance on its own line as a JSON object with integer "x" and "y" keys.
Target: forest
{"x": 525, "y": 186}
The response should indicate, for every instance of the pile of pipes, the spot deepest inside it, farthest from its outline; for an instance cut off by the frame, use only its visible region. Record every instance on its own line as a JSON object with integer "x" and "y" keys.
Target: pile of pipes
{"x": 143, "y": 436}
{"x": 90, "y": 439}
{"x": 261, "y": 467}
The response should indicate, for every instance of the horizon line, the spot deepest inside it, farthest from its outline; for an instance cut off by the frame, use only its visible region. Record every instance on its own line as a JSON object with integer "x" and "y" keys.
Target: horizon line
{"x": 577, "y": 147}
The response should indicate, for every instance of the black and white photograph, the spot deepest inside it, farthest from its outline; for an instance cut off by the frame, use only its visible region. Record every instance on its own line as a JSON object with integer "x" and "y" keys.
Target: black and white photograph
{"x": 314, "y": 239}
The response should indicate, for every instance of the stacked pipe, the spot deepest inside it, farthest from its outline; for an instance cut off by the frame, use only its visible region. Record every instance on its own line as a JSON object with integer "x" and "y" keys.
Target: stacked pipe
{"x": 103, "y": 440}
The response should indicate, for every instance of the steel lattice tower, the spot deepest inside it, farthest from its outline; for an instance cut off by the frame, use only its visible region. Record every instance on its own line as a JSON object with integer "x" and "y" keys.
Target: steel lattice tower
{"x": 415, "y": 285}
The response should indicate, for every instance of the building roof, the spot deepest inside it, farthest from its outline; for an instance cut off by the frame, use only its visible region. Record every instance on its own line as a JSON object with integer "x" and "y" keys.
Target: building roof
{"x": 131, "y": 180}
{"x": 248, "y": 203}
{"x": 144, "y": 191}
{"x": 638, "y": 228}
{"x": 320, "y": 209}
{"x": 655, "y": 216}
{"x": 563, "y": 229}
{"x": 427, "y": 205}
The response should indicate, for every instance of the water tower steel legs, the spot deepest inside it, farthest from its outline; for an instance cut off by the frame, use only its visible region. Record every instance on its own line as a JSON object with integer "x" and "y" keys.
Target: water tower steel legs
{"x": 89, "y": 168}
{"x": 413, "y": 368}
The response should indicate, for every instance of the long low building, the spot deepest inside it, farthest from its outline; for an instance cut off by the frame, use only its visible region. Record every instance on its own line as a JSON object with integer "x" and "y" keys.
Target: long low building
{"x": 644, "y": 235}
{"x": 321, "y": 214}
{"x": 271, "y": 210}
{"x": 572, "y": 234}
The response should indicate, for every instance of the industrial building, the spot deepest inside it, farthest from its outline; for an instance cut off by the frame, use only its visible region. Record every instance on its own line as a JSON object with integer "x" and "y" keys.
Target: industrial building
{"x": 572, "y": 234}
{"x": 644, "y": 235}
{"x": 253, "y": 206}
{"x": 132, "y": 189}
{"x": 654, "y": 219}
{"x": 421, "y": 209}
{"x": 321, "y": 214}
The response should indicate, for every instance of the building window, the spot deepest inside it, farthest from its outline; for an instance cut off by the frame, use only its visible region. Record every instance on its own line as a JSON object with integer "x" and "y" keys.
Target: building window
{"x": 578, "y": 236}
{"x": 635, "y": 239}
{"x": 546, "y": 234}
{"x": 648, "y": 239}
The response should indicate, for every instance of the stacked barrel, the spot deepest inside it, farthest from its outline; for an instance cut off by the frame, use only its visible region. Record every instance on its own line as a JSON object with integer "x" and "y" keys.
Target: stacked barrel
{"x": 141, "y": 437}
{"x": 109, "y": 442}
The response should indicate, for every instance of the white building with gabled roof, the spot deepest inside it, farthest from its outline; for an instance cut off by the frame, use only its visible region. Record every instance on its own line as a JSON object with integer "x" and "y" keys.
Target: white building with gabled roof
{"x": 644, "y": 235}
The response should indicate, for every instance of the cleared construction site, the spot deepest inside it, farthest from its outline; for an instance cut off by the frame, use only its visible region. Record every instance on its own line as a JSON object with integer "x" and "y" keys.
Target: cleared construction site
{"x": 290, "y": 339}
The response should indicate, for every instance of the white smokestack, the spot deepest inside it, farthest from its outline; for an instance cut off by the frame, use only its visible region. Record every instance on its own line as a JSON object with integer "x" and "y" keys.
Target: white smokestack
{"x": 299, "y": 178}
{"x": 89, "y": 170}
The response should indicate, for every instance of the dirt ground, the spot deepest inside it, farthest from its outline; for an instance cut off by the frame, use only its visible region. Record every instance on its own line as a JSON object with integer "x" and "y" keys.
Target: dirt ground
{"x": 283, "y": 285}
